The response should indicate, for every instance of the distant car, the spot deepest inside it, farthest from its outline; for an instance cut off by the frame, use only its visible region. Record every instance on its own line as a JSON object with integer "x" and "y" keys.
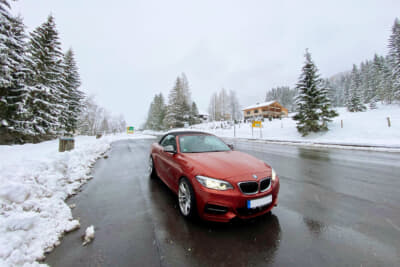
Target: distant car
{"x": 212, "y": 180}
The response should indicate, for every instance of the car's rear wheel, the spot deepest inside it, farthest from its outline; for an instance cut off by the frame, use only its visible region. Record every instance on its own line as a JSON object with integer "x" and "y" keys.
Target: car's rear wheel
{"x": 186, "y": 199}
{"x": 151, "y": 169}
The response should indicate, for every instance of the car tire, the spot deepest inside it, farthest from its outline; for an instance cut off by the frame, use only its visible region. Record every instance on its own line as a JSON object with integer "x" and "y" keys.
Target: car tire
{"x": 186, "y": 199}
{"x": 152, "y": 170}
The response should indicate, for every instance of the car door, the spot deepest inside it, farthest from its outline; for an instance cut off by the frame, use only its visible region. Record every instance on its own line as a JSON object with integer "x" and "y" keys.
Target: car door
{"x": 167, "y": 161}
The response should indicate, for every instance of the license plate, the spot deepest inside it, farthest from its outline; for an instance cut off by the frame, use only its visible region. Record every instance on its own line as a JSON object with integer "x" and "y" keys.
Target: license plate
{"x": 254, "y": 203}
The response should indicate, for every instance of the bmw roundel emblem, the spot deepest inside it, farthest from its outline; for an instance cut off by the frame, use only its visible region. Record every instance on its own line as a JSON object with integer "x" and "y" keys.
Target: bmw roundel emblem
{"x": 255, "y": 176}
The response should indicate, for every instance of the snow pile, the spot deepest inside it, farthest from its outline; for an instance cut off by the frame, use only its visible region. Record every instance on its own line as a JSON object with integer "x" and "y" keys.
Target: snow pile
{"x": 368, "y": 128}
{"x": 35, "y": 180}
{"x": 89, "y": 235}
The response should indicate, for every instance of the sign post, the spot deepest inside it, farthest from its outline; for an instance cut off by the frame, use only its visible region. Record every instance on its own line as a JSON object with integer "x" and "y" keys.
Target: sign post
{"x": 256, "y": 124}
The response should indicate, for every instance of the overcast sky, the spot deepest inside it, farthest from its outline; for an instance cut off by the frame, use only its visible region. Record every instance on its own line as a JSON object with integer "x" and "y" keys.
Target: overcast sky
{"x": 127, "y": 51}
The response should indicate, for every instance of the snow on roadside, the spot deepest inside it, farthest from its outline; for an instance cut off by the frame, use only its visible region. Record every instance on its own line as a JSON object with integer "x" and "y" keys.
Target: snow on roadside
{"x": 35, "y": 180}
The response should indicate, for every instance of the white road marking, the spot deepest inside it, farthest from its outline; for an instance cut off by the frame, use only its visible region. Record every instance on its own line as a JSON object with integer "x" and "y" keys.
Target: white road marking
{"x": 392, "y": 224}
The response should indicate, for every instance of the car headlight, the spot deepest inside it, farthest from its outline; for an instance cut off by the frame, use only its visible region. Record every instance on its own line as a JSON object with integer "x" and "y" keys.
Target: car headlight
{"x": 213, "y": 183}
{"x": 273, "y": 174}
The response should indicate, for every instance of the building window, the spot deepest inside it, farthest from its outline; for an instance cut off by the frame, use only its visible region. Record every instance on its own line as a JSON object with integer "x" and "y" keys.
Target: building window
{"x": 256, "y": 111}
{"x": 248, "y": 112}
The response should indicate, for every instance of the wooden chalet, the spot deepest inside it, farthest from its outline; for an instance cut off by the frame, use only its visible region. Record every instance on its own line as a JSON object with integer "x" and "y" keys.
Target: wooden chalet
{"x": 271, "y": 109}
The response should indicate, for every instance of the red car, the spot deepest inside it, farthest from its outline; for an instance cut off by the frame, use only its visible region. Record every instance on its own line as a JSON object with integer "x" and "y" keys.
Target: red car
{"x": 212, "y": 180}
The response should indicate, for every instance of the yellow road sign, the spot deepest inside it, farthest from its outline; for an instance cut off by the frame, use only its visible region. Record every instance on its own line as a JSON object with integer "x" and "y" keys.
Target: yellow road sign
{"x": 257, "y": 124}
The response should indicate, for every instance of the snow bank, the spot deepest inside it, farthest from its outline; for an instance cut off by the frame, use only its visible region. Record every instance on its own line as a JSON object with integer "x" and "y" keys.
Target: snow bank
{"x": 368, "y": 128}
{"x": 35, "y": 180}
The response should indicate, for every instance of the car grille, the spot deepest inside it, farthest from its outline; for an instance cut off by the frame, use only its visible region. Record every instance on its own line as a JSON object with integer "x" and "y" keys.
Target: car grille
{"x": 248, "y": 187}
{"x": 253, "y": 187}
{"x": 265, "y": 184}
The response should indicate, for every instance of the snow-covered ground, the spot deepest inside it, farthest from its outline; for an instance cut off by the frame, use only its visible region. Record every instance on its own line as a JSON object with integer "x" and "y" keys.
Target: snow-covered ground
{"x": 35, "y": 180}
{"x": 368, "y": 128}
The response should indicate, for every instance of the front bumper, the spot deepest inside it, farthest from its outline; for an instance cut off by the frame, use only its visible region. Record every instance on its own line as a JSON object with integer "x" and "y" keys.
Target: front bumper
{"x": 222, "y": 206}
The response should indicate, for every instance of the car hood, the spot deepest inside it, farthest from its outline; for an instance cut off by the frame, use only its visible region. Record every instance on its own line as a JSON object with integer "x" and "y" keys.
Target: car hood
{"x": 228, "y": 164}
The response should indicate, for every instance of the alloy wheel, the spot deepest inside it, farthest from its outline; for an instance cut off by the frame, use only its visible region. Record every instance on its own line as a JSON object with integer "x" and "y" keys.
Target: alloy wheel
{"x": 184, "y": 198}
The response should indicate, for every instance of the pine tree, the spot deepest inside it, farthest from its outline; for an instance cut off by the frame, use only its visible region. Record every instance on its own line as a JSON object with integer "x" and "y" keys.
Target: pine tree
{"x": 156, "y": 113}
{"x": 73, "y": 95}
{"x": 177, "y": 107}
{"x": 375, "y": 90}
{"x": 394, "y": 55}
{"x": 186, "y": 88}
{"x": 13, "y": 91}
{"x": 387, "y": 94}
{"x": 194, "y": 114}
{"x": 48, "y": 95}
{"x": 313, "y": 105}
{"x": 355, "y": 103}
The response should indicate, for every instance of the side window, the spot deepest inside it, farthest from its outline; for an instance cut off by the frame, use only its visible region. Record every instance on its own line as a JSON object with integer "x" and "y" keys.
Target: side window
{"x": 169, "y": 140}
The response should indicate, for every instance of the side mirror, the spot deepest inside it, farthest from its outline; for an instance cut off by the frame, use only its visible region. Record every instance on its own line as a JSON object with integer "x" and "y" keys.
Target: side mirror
{"x": 170, "y": 149}
{"x": 231, "y": 146}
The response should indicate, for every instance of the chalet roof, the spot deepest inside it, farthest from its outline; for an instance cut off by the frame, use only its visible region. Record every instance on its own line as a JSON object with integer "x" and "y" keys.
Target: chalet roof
{"x": 259, "y": 105}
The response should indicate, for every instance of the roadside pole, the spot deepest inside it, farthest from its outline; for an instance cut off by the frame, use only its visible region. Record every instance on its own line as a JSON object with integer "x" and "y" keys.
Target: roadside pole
{"x": 234, "y": 130}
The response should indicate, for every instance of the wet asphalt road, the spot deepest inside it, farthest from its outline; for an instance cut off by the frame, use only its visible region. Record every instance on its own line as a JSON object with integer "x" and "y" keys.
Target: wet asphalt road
{"x": 336, "y": 208}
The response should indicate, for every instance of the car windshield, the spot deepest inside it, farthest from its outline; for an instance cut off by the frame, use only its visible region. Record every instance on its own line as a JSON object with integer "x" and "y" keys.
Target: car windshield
{"x": 201, "y": 143}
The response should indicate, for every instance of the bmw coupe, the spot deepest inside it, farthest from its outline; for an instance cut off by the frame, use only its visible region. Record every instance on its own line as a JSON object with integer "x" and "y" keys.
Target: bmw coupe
{"x": 212, "y": 180}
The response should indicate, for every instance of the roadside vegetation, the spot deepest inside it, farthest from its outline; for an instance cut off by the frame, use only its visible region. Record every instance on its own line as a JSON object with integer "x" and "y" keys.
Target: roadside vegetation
{"x": 40, "y": 95}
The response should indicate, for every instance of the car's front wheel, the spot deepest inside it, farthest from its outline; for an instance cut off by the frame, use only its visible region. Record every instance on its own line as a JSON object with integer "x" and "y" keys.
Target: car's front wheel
{"x": 187, "y": 199}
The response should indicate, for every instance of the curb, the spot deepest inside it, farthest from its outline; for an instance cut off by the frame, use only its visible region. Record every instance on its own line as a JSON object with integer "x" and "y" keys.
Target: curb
{"x": 365, "y": 147}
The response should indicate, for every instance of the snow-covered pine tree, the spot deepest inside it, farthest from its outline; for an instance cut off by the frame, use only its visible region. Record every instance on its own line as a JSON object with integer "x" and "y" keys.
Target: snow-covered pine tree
{"x": 14, "y": 126}
{"x": 149, "y": 124}
{"x": 375, "y": 91}
{"x": 156, "y": 113}
{"x": 394, "y": 55}
{"x": 355, "y": 103}
{"x": 186, "y": 88}
{"x": 177, "y": 107}
{"x": 48, "y": 98}
{"x": 72, "y": 93}
{"x": 366, "y": 85}
{"x": 194, "y": 114}
{"x": 327, "y": 113}
{"x": 313, "y": 105}
{"x": 386, "y": 85}
{"x": 159, "y": 112}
